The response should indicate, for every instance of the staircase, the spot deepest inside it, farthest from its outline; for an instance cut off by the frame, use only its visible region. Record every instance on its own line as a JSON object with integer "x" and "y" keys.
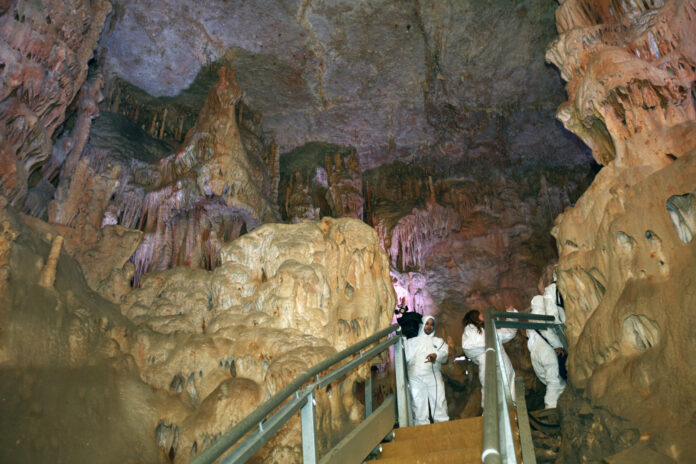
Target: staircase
{"x": 453, "y": 442}
{"x": 456, "y": 441}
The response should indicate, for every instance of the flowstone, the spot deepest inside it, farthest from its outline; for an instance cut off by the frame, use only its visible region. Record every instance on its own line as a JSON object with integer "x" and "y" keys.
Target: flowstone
{"x": 193, "y": 351}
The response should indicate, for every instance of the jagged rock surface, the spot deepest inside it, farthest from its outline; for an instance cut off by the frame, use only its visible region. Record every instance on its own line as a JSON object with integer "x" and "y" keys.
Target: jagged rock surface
{"x": 626, "y": 251}
{"x": 320, "y": 179}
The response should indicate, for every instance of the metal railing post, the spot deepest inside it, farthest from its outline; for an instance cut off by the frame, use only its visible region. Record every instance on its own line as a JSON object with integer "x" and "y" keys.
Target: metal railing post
{"x": 502, "y": 419}
{"x": 505, "y": 402}
{"x": 368, "y": 394}
{"x": 402, "y": 405}
{"x": 309, "y": 440}
{"x": 491, "y": 445}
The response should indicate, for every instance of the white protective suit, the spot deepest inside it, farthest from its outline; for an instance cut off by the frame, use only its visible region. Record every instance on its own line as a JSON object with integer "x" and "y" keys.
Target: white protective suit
{"x": 474, "y": 344}
{"x": 550, "y": 304}
{"x": 544, "y": 359}
{"x": 425, "y": 378}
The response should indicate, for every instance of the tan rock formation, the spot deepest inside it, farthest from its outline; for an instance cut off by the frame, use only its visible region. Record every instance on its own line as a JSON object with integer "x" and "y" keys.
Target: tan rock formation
{"x": 197, "y": 351}
{"x": 626, "y": 253}
{"x": 283, "y": 298}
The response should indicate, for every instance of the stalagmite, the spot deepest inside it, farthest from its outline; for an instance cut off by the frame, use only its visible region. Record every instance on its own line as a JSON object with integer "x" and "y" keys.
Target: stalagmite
{"x": 48, "y": 273}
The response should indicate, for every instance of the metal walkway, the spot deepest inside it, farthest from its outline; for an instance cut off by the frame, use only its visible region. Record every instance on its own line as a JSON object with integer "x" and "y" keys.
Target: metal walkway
{"x": 502, "y": 435}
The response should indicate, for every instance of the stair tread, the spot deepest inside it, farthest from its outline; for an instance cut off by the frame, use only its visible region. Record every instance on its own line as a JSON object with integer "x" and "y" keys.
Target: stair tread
{"x": 458, "y": 426}
{"x": 432, "y": 444}
{"x": 451, "y": 456}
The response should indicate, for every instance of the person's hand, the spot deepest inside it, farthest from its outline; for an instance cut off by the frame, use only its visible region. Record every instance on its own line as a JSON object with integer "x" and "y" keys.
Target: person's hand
{"x": 431, "y": 357}
{"x": 560, "y": 351}
{"x": 510, "y": 309}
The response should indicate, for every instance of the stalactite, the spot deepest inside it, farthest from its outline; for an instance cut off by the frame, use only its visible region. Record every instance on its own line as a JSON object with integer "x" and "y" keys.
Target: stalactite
{"x": 163, "y": 125}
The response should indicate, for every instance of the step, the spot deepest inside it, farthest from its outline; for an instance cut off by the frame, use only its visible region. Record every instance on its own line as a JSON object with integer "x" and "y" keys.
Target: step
{"x": 453, "y": 456}
{"x": 459, "y": 426}
{"x": 431, "y": 443}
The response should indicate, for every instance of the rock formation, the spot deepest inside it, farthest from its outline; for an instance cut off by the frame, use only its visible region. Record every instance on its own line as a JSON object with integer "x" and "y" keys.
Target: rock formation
{"x": 187, "y": 203}
{"x": 319, "y": 179}
{"x": 44, "y": 51}
{"x": 626, "y": 250}
{"x": 194, "y": 351}
{"x": 384, "y": 77}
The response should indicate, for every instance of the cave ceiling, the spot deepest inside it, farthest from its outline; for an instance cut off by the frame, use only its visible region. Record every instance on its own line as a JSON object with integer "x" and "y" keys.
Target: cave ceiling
{"x": 391, "y": 78}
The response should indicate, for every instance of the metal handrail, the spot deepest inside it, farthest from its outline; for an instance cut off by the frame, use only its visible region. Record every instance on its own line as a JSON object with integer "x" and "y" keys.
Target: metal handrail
{"x": 302, "y": 397}
{"x": 557, "y": 327}
{"x": 497, "y": 433}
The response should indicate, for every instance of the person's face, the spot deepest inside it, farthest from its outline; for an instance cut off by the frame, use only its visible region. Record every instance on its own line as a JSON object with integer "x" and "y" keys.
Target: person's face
{"x": 429, "y": 327}
{"x": 480, "y": 317}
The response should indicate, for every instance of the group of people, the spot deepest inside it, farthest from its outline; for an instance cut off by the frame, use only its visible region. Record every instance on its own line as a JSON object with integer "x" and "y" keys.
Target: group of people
{"x": 426, "y": 353}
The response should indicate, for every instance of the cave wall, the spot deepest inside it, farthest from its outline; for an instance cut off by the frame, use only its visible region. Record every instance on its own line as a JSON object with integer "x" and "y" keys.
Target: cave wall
{"x": 383, "y": 77}
{"x": 626, "y": 254}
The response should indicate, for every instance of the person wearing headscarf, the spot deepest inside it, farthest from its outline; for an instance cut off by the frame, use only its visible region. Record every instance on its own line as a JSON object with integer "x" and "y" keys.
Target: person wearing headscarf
{"x": 425, "y": 355}
{"x": 474, "y": 344}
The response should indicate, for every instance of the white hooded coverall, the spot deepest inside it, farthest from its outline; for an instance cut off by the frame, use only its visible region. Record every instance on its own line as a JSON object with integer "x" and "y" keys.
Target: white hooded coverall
{"x": 544, "y": 359}
{"x": 550, "y": 304}
{"x": 474, "y": 344}
{"x": 425, "y": 378}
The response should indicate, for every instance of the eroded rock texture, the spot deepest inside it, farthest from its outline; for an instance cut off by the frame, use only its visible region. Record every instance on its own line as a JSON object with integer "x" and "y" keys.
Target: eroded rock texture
{"x": 44, "y": 51}
{"x": 188, "y": 201}
{"x": 320, "y": 179}
{"x": 476, "y": 242}
{"x": 189, "y": 353}
{"x": 627, "y": 258}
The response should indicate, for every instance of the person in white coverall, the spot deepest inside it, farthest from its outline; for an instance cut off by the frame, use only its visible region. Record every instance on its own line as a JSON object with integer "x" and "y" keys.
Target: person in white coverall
{"x": 543, "y": 351}
{"x": 474, "y": 344}
{"x": 550, "y": 306}
{"x": 425, "y": 354}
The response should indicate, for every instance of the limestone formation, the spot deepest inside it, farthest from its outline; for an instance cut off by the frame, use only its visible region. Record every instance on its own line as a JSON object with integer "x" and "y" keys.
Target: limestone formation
{"x": 187, "y": 202}
{"x": 283, "y": 298}
{"x": 385, "y": 77}
{"x": 191, "y": 352}
{"x": 48, "y": 273}
{"x": 473, "y": 242}
{"x": 321, "y": 180}
{"x": 164, "y": 151}
{"x": 44, "y": 50}
{"x": 626, "y": 254}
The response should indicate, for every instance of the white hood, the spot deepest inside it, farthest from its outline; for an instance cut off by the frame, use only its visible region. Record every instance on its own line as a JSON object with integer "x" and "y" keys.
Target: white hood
{"x": 421, "y": 328}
